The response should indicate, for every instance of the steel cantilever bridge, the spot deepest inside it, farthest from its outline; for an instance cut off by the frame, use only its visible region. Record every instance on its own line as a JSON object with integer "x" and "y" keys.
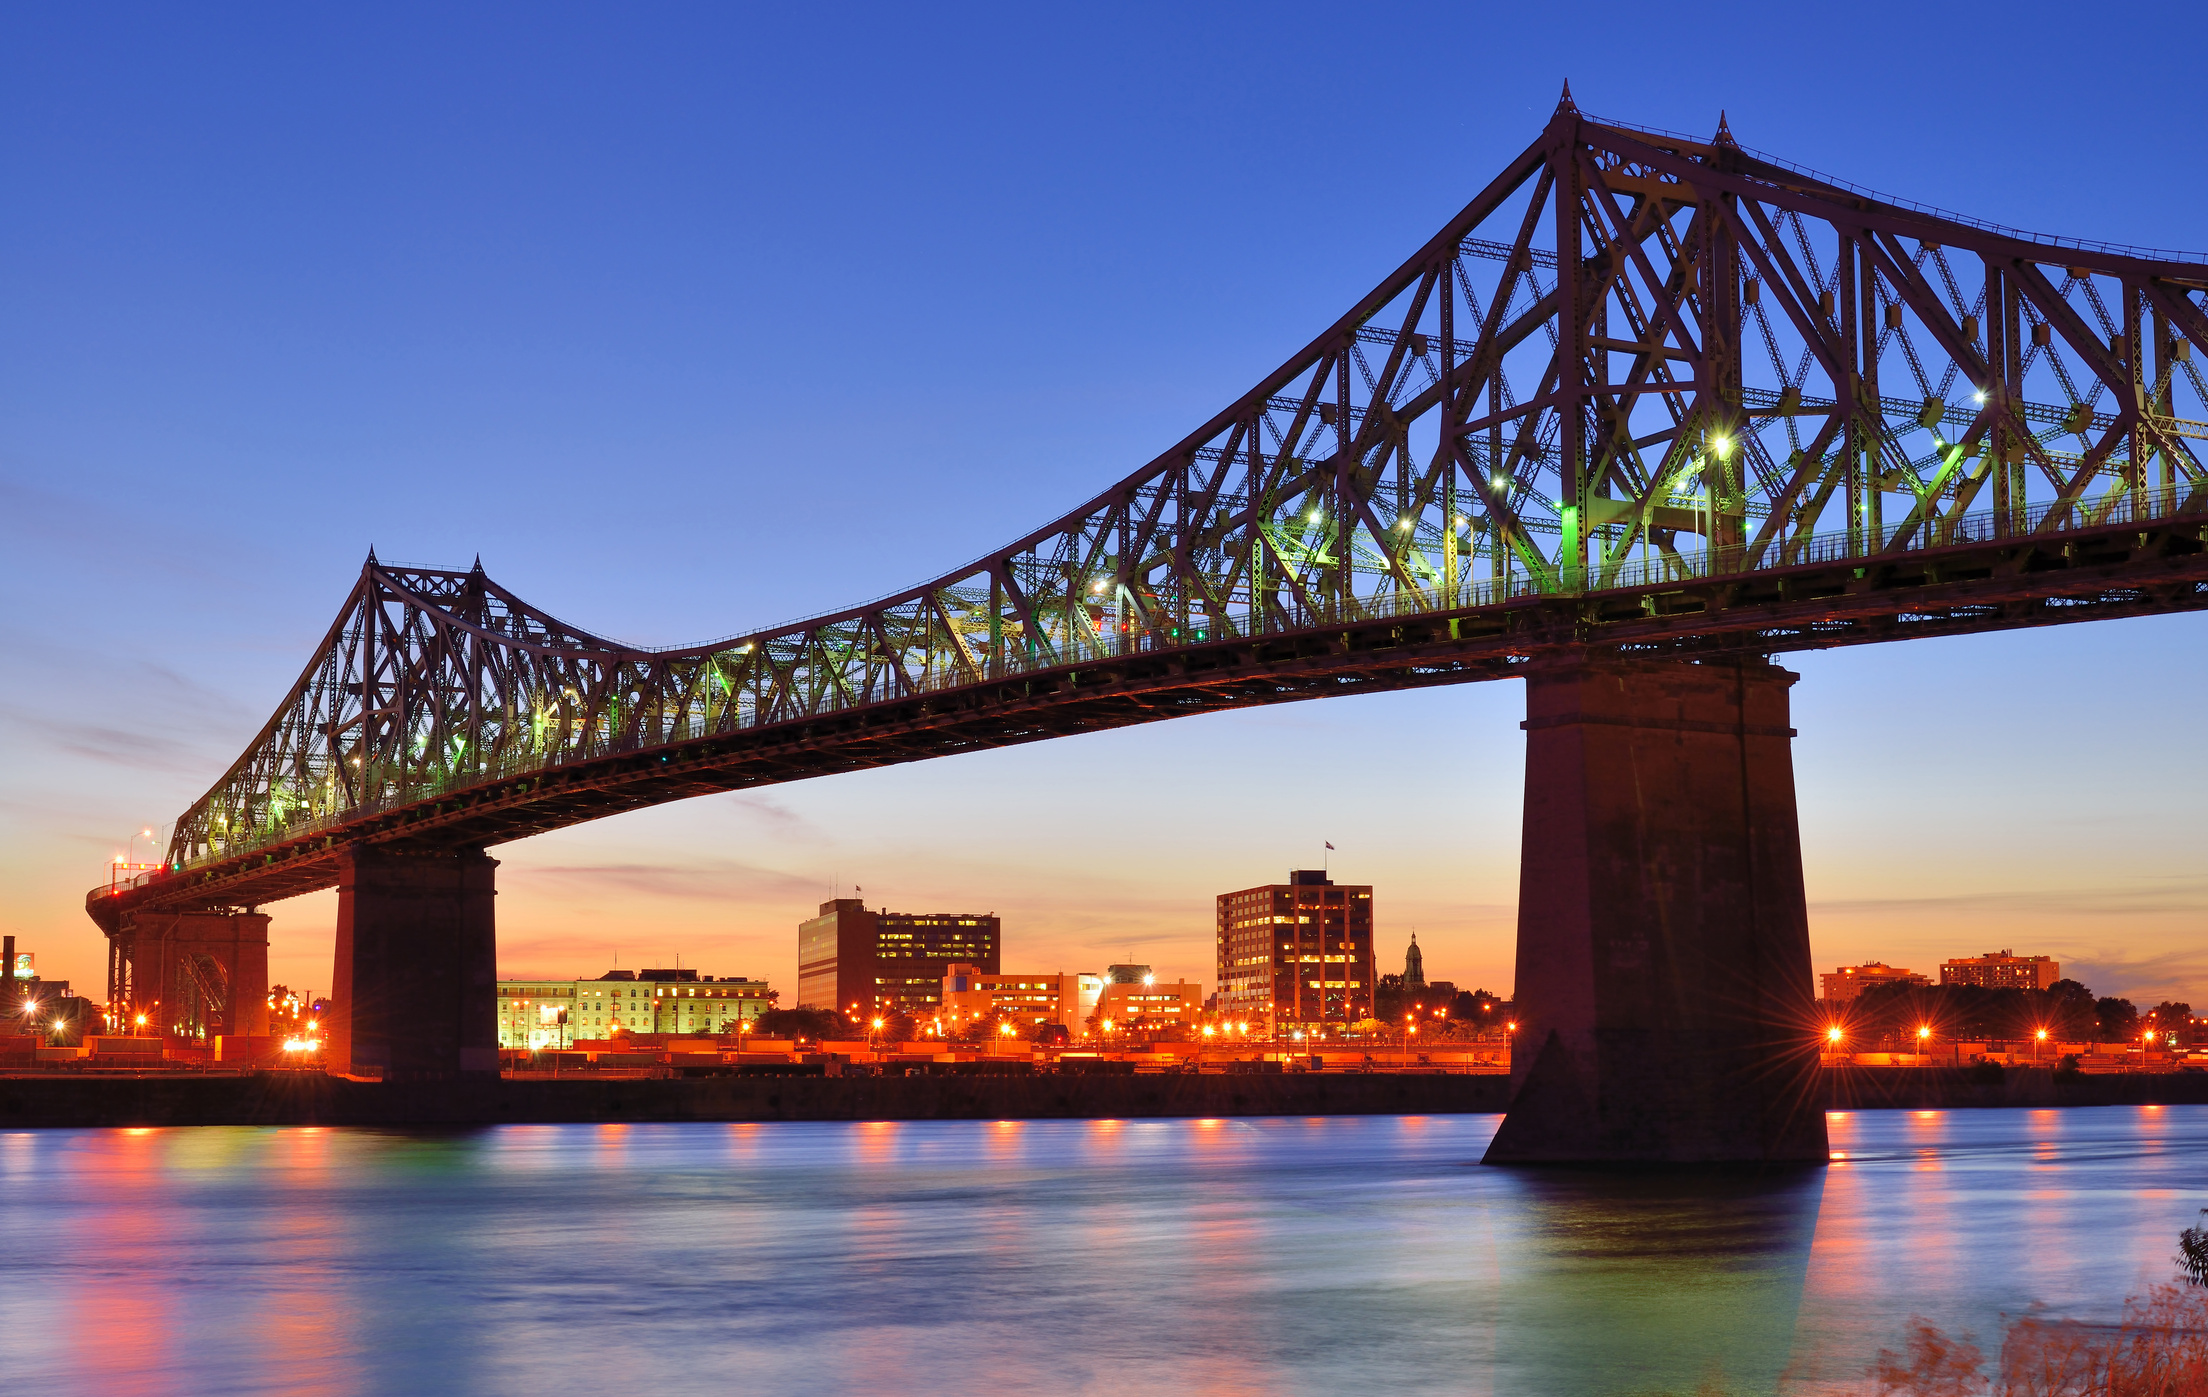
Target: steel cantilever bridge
{"x": 1647, "y": 400}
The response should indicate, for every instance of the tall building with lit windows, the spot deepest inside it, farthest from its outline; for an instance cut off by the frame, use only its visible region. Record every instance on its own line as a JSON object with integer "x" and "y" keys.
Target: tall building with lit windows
{"x": 1298, "y": 952}
{"x": 861, "y": 961}
{"x": 2001, "y": 970}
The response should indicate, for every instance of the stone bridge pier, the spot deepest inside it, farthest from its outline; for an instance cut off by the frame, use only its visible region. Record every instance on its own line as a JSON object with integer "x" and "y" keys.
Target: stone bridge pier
{"x": 1665, "y": 1008}
{"x": 416, "y": 980}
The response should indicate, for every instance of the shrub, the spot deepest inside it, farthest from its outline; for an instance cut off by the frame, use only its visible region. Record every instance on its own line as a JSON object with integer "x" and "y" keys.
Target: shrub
{"x": 2158, "y": 1349}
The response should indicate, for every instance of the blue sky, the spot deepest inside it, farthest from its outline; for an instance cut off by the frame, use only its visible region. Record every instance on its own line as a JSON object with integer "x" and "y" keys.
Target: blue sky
{"x": 689, "y": 319}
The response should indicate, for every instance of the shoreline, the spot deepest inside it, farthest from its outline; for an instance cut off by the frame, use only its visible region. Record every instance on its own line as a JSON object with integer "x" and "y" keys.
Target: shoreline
{"x": 299, "y": 1098}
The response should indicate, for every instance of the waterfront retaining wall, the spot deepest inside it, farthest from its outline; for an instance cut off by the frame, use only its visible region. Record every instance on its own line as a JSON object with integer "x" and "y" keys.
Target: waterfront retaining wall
{"x": 303, "y": 1098}
{"x": 297, "y": 1098}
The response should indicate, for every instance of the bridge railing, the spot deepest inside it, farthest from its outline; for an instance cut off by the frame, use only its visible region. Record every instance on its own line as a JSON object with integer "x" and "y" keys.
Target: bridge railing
{"x": 1119, "y": 635}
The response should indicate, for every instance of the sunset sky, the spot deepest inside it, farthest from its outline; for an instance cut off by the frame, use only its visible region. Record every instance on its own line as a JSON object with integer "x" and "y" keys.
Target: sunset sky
{"x": 690, "y": 319}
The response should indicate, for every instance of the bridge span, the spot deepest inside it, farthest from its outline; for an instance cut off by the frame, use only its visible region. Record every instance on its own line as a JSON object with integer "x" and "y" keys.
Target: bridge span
{"x": 1650, "y": 411}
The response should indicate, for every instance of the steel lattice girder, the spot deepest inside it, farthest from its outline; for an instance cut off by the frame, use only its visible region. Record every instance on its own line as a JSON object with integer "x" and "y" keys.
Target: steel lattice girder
{"x": 1644, "y": 393}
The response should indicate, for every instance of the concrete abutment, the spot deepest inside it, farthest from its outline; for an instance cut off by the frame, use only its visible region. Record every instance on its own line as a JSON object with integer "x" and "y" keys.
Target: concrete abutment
{"x": 1664, "y": 995}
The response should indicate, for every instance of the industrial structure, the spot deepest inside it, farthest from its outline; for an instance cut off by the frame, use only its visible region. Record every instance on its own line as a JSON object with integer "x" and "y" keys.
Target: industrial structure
{"x": 1651, "y": 409}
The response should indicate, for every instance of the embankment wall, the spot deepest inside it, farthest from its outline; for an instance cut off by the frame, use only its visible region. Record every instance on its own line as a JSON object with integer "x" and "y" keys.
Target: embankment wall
{"x": 298, "y": 1098}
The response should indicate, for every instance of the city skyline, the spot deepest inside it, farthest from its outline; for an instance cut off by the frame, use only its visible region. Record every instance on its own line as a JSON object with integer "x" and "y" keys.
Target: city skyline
{"x": 670, "y": 301}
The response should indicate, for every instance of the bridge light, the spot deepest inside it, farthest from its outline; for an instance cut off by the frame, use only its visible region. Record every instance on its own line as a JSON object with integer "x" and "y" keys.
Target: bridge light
{"x": 1498, "y": 482}
{"x": 1722, "y": 444}
{"x": 1314, "y": 516}
{"x": 1403, "y": 523}
{"x": 1979, "y": 396}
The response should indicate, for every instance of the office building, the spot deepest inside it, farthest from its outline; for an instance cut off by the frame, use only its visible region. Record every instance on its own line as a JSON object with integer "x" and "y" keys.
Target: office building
{"x": 1153, "y": 1004}
{"x": 1298, "y": 952}
{"x": 970, "y": 993}
{"x": 2001, "y": 970}
{"x": 1851, "y": 980}
{"x": 539, "y": 1014}
{"x": 863, "y": 962}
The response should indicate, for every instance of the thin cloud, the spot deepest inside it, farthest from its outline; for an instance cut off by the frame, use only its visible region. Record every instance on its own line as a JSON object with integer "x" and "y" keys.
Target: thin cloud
{"x": 680, "y": 881}
{"x": 2143, "y": 897}
{"x": 102, "y": 742}
{"x": 784, "y": 821}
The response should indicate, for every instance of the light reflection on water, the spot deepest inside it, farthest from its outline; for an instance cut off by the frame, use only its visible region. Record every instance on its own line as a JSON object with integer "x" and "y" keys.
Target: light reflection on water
{"x": 1324, "y": 1255}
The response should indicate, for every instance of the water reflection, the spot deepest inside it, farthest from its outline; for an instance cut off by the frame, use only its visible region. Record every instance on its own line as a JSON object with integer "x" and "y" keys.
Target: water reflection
{"x": 1666, "y": 1282}
{"x": 1323, "y": 1255}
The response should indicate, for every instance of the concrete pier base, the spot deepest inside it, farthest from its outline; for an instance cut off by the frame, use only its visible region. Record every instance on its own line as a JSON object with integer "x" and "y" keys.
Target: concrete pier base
{"x": 416, "y": 981}
{"x": 1665, "y": 1007}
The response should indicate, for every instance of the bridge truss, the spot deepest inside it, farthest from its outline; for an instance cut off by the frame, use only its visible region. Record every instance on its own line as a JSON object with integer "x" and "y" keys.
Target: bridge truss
{"x": 1645, "y": 394}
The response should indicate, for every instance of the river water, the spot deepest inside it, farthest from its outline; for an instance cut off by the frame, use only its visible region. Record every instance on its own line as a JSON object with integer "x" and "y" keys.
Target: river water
{"x": 1305, "y": 1255}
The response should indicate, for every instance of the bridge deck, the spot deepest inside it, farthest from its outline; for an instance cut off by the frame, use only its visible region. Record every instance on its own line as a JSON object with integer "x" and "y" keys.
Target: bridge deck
{"x": 2114, "y": 571}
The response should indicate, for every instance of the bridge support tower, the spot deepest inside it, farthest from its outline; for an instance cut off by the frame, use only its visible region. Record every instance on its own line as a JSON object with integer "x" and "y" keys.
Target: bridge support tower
{"x": 190, "y": 973}
{"x": 416, "y": 980}
{"x": 1665, "y": 1009}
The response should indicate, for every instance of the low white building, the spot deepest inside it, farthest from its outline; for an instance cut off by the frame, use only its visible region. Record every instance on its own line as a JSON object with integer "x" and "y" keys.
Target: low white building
{"x": 1150, "y": 1005}
{"x": 538, "y": 1014}
{"x": 1029, "y": 999}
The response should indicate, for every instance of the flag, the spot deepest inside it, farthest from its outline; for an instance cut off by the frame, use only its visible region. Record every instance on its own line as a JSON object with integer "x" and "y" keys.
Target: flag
{"x": 1329, "y": 846}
